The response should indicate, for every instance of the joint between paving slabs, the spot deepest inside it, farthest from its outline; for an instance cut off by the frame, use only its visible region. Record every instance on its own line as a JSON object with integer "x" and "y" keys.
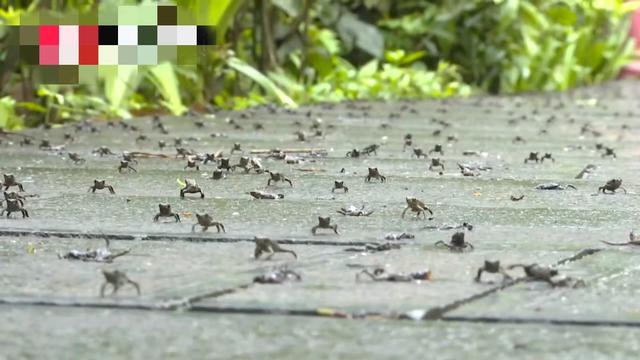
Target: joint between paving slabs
{"x": 439, "y": 312}
{"x": 169, "y": 237}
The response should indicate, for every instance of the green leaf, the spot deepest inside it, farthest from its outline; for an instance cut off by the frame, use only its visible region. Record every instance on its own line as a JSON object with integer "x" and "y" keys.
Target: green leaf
{"x": 359, "y": 34}
{"x": 293, "y": 8}
{"x": 164, "y": 78}
{"x": 266, "y": 83}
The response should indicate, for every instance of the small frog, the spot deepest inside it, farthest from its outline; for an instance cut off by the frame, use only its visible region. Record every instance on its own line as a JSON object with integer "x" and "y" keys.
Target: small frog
{"x": 374, "y": 173}
{"x": 192, "y": 164}
{"x": 379, "y": 274}
{"x": 116, "y": 279}
{"x": 547, "y": 156}
{"x": 9, "y": 181}
{"x": 368, "y": 150}
{"x": 101, "y": 185}
{"x": 102, "y": 151}
{"x": 236, "y": 147}
{"x": 103, "y": 255}
{"x": 436, "y": 163}
{"x": 399, "y": 236}
{"x": 125, "y": 166}
{"x": 457, "y": 243}
{"x": 217, "y": 174}
{"x": 14, "y": 205}
{"x": 277, "y": 177}
{"x": 339, "y": 185}
{"x": 206, "y": 221}
{"x": 184, "y": 152}
{"x": 127, "y": 156}
{"x": 519, "y": 140}
{"x": 354, "y": 211}
{"x": 277, "y": 277}
{"x": 265, "y": 195}
{"x": 612, "y": 185}
{"x": 533, "y": 156}
{"x": 165, "y": 211}
{"x": 416, "y": 206}
{"x": 268, "y": 246}
{"x": 609, "y": 152}
{"x": 555, "y": 186}
{"x": 224, "y": 164}
{"x": 535, "y": 272}
{"x": 324, "y": 223}
{"x": 76, "y": 158}
{"x": 191, "y": 187}
{"x": 517, "y": 198}
{"x": 373, "y": 248}
{"x": 408, "y": 142}
{"x": 355, "y": 153}
{"x": 243, "y": 164}
{"x": 492, "y": 267}
{"x": 418, "y": 153}
{"x": 162, "y": 144}
{"x": 437, "y": 149}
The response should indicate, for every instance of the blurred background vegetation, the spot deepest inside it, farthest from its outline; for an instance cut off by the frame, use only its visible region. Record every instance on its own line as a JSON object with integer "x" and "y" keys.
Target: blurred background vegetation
{"x": 296, "y": 52}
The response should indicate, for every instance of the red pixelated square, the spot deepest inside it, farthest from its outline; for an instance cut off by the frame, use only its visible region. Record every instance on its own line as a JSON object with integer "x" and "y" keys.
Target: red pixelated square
{"x": 48, "y": 55}
{"x": 88, "y": 54}
{"x": 88, "y": 35}
{"x": 49, "y": 35}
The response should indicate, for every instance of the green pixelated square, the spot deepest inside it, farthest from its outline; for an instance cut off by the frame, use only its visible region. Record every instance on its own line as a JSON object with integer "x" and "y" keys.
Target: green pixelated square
{"x": 127, "y": 55}
{"x": 88, "y": 18}
{"x": 187, "y": 55}
{"x": 29, "y": 35}
{"x": 69, "y": 18}
{"x": 47, "y": 74}
{"x": 148, "y": 15}
{"x": 48, "y": 17}
{"x": 128, "y": 15}
{"x": 87, "y": 74}
{"x": 108, "y": 15}
{"x": 185, "y": 17}
{"x": 30, "y": 18}
{"x": 147, "y": 35}
{"x": 167, "y": 53}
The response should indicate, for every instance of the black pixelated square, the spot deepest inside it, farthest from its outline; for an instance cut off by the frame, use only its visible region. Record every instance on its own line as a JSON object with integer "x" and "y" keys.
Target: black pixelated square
{"x": 206, "y": 35}
{"x": 167, "y": 15}
{"x": 30, "y": 54}
{"x": 108, "y": 35}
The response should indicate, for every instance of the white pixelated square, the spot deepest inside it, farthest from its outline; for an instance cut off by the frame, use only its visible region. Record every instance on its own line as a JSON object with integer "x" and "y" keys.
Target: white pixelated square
{"x": 108, "y": 54}
{"x": 187, "y": 35}
{"x": 68, "y": 55}
{"x": 68, "y": 35}
{"x": 167, "y": 35}
{"x": 127, "y": 35}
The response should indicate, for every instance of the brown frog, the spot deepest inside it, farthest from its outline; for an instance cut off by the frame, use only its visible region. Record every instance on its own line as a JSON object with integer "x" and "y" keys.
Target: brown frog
{"x": 268, "y": 246}
{"x": 191, "y": 187}
{"x": 165, "y": 211}
{"x": 416, "y": 206}
{"x": 374, "y": 173}
{"x": 457, "y": 243}
{"x": 324, "y": 223}
{"x": 206, "y": 221}
{"x": 101, "y": 185}
{"x": 116, "y": 279}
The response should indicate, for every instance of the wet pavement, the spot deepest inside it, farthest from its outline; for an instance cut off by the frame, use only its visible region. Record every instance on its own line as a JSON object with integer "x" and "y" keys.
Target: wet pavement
{"x": 210, "y": 272}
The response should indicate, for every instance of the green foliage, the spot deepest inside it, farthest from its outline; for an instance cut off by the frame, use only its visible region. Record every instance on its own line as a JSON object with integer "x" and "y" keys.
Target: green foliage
{"x": 164, "y": 78}
{"x": 9, "y": 120}
{"x": 520, "y": 45}
{"x": 301, "y": 51}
